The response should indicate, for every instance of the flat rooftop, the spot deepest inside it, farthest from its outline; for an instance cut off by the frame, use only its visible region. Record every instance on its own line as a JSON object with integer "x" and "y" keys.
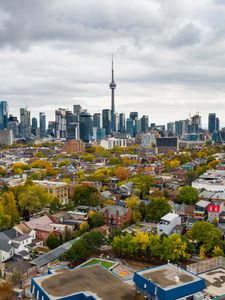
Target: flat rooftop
{"x": 165, "y": 276}
{"x": 92, "y": 279}
{"x": 215, "y": 281}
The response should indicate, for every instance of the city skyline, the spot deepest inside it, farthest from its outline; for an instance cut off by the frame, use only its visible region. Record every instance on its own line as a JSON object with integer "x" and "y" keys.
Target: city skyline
{"x": 168, "y": 57}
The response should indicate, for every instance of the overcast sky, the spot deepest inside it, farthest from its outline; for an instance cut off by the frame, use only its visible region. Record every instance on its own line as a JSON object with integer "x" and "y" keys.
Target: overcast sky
{"x": 169, "y": 56}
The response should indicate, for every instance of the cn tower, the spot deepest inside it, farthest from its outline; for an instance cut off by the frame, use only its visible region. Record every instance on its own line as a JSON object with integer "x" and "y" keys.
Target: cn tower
{"x": 112, "y": 86}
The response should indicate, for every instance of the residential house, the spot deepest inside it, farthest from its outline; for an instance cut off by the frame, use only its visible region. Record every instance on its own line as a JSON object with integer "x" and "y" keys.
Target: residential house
{"x": 116, "y": 215}
{"x": 13, "y": 243}
{"x": 201, "y": 209}
{"x": 214, "y": 211}
{"x": 44, "y": 226}
{"x": 184, "y": 211}
{"x": 167, "y": 223}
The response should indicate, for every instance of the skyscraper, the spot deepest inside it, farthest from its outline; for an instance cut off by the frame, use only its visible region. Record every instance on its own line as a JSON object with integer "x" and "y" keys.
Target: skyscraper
{"x": 34, "y": 126}
{"x": 97, "y": 120}
{"x": 212, "y": 122}
{"x": 86, "y": 126}
{"x": 107, "y": 121}
{"x": 144, "y": 124}
{"x": 3, "y": 114}
{"x": 24, "y": 126}
{"x": 42, "y": 122}
{"x": 122, "y": 123}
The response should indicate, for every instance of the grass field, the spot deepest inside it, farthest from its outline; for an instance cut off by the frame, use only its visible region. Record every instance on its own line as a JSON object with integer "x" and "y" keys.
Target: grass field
{"x": 104, "y": 263}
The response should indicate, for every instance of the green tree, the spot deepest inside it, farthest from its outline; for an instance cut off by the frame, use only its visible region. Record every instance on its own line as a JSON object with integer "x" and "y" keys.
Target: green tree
{"x": 4, "y": 219}
{"x": 33, "y": 198}
{"x": 217, "y": 251}
{"x": 136, "y": 216}
{"x": 86, "y": 194}
{"x": 55, "y": 205}
{"x": 143, "y": 183}
{"x": 206, "y": 235}
{"x": 2, "y": 171}
{"x": 94, "y": 240}
{"x": 187, "y": 195}
{"x": 191, "y": 176}
{"x": 78, "y": 251}
{"x": 157, "y": 208}
{"x": 53, "y": 241}
{"x": 96, "y": 220}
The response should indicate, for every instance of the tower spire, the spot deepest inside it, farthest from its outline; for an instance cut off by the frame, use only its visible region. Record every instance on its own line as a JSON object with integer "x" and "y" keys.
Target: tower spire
{"x": 112, "y": 86}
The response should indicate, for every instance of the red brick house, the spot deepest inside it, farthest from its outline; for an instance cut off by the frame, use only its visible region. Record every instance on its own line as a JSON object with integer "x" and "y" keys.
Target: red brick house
{"x": 116, "y": 215}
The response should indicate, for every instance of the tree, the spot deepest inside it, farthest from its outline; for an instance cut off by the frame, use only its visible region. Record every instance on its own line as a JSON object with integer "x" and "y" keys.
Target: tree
{"x": 157, "y": 208}
{"x": 191, "y": 176}
{"x": 4, "y": 219}
{"x": 55, "y": 205}
{"x": 187, "y": 195}
{"x": 78, "y": 251}
{"x": 86, "y": 194}
{"x": 132, "y": 202}
{"x": 94, "y": 240}
{"x": 121, "y": 173}
{"x": 96, "y": 220}
{"x": 84, "y": 226}
{"x": 174, "y": 248}
{"x": 143, "y": 183}
{"x": 85, "y": 246}
{"x": 102, "y": 175}
{"x": 34, "y": 198}
{"x": 6, "y": 291}
{"x": 53, "y": 241}
{"x": 206, "y": 235}
{"x": 2, "y": 171}
{"x": 136, "y": 216}
{"x": 10, "y": 208}
{"x": 217, "y": 251}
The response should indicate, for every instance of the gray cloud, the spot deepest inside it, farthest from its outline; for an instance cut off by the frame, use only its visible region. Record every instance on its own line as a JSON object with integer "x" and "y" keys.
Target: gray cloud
{"x": 168, "y": 54}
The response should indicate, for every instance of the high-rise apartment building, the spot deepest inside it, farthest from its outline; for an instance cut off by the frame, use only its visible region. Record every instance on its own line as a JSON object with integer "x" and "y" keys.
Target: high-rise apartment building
{"x": 3, "y": 114}
{"x": 211, "y": 122}
{"x": 24, "y": 126}
{"x": 144, "y": 124}
{"x": 13, "y": 125}
{"x": 97, "y": 120}
{"x": 42, "y": 122}
{"x": 107, "y": 121}
{"x": 86, "y": 126}
{"x": 122, "y": 123}
{"x": 34, "y": 126}
{"x": 60, "y": 123}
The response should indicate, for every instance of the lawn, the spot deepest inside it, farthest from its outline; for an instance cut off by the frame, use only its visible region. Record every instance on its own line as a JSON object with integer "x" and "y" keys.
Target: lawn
{"x": 104, "y": 263}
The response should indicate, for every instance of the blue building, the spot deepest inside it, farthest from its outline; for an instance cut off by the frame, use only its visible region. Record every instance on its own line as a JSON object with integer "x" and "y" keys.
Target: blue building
{"x": 167, "y": 282}
{"x": 3, "y": 114}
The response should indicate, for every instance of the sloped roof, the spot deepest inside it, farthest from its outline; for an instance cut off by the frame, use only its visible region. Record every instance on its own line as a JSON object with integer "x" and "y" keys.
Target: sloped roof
{"x": 114, "y": 209}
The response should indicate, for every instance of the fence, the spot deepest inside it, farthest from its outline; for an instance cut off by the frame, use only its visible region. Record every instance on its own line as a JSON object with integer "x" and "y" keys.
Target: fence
{"x": 207, "y": 265}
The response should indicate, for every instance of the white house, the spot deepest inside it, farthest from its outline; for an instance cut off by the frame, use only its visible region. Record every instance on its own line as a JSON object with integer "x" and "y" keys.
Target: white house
{"x": 167, "y": 223}
{"x": 12, "y": 243}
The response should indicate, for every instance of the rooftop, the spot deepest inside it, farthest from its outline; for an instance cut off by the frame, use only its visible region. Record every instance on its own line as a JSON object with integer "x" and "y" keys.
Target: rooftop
{"x": 168, "y": 276}
{"x": 94, "y": 280}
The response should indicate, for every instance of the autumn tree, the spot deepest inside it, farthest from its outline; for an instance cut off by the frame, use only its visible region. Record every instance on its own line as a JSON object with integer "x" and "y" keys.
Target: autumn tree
{"x": 132, "y": 202}
{"x": 121, "y": 173}
{"x": 10, "y": 208}
{"x": 6, "y": 291}
{"x": 174, "y": 248}
{"x": 84, "y": 226}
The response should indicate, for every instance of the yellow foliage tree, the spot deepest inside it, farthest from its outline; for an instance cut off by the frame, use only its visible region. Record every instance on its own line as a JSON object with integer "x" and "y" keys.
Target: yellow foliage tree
{"x": 84, "y": 226}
